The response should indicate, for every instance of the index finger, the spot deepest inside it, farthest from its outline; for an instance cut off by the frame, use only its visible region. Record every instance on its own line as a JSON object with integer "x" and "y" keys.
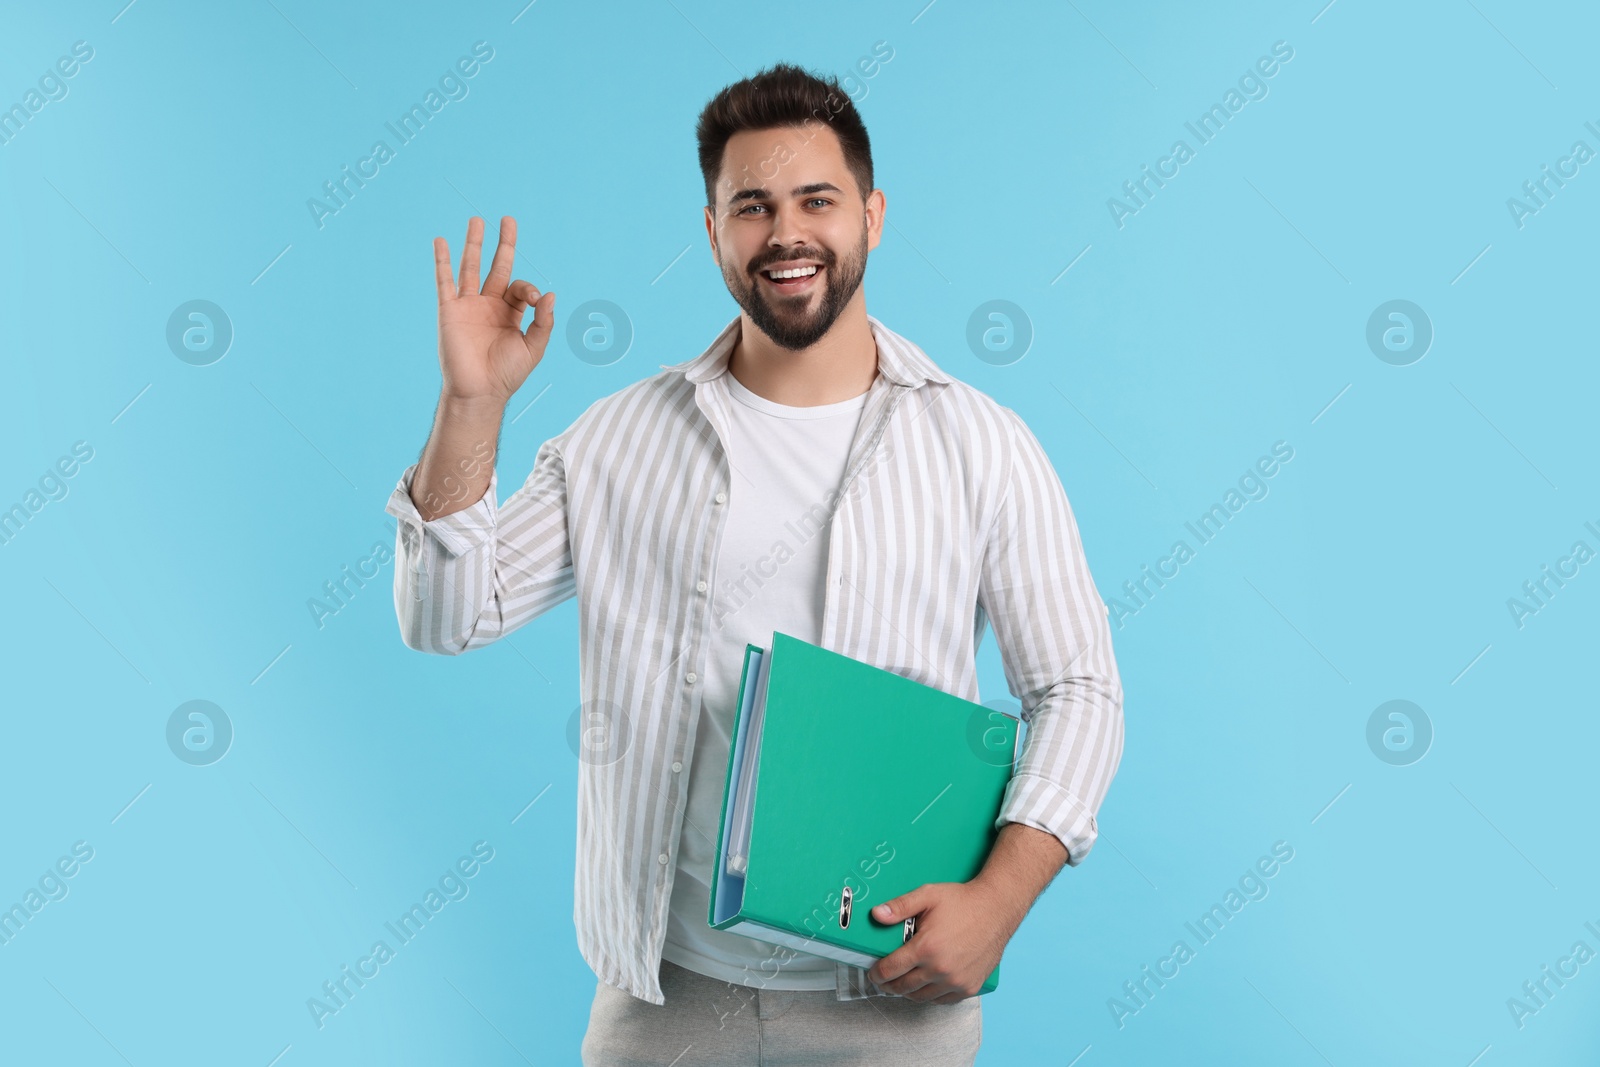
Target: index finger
{"x": 897, "y": 964}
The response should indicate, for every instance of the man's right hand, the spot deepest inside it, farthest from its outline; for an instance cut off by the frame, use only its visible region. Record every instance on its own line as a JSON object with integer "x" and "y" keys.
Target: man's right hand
{"x": 485, "y": 357}
{"x": 484, "y": 354}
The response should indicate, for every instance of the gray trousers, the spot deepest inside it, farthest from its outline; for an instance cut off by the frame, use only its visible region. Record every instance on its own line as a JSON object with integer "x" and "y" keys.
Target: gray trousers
{"x": 707, "y": 1022}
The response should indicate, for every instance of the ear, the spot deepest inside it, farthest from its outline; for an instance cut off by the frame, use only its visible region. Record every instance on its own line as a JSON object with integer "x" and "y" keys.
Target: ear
{"x": 874, "y": 211}
{"x": 711, "y": 234}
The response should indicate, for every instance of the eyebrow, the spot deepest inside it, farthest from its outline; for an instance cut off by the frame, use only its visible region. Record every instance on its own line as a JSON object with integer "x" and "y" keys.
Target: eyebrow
{"x": 799, "y": 190}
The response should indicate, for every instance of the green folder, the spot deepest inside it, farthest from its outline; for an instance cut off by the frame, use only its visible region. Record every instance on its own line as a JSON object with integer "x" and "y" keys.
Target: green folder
{"x": 847, "y": 786}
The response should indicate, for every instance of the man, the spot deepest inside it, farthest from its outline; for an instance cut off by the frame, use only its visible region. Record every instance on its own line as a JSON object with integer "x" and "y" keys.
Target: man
{"x": 813, "y": 472}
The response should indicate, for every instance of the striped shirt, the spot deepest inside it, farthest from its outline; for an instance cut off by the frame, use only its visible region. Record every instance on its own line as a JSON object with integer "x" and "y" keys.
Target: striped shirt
{"x": 949, "y": 518}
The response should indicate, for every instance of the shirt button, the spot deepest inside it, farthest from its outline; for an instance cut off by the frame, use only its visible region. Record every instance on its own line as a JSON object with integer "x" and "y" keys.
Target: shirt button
{"x": 700, "y": 587}
{"x": 691, "y": 677}
{"x": 721, "y": 498}
{"x": 661, "y": 858}
{"x": 676, "y": 766}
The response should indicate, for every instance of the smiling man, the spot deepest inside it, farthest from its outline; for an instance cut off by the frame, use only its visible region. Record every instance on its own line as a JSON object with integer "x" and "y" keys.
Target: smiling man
{"x": 811, "y": 471}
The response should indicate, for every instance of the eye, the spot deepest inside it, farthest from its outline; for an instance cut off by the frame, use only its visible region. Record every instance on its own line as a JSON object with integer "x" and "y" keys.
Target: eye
{"x": 819, "y": 200}
{"x": 748, "y": 207}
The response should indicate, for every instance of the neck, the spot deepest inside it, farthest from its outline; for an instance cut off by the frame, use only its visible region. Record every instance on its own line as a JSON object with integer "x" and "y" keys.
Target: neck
{"x": 842, "y": 364}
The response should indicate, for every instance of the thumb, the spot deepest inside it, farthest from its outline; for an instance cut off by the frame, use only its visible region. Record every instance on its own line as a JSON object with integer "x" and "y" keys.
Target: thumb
{"x": 538, "y": 331}
{"x": 902, "y": 906}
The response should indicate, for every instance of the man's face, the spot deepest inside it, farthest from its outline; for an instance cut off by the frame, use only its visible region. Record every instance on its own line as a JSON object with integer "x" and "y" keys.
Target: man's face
{"x": 786, "y": 200}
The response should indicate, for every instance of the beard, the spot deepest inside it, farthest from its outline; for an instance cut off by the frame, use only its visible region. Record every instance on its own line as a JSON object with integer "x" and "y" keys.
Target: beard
{"x": 798, "y": 322}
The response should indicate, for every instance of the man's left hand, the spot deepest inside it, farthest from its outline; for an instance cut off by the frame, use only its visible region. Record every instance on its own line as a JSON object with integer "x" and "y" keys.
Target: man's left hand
{"x": 962, "y": 929}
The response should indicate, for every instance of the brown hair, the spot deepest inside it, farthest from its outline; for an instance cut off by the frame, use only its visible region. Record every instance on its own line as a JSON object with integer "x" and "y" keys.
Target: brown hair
{"x": 782, "y": 95}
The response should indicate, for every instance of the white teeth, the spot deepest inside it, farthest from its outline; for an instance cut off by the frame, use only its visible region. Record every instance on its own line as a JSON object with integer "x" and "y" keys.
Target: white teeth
{"x": 801, "y": 272}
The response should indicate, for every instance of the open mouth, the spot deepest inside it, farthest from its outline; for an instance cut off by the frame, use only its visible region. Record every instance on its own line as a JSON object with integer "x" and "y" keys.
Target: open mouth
{"x": 792, "y": 279}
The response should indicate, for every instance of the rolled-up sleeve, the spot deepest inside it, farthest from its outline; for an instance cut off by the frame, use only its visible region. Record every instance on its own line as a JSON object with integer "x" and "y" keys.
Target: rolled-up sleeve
{"x": 469, "y": 578}
{"x": 1055, "y": 645}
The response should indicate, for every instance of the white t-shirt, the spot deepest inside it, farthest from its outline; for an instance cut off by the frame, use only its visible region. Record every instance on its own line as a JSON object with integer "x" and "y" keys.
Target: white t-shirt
{"x": 770, "y": 569}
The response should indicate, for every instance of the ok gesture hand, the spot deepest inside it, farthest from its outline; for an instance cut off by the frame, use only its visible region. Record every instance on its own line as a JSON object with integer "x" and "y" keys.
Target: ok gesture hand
{"x": 484, "y": 354}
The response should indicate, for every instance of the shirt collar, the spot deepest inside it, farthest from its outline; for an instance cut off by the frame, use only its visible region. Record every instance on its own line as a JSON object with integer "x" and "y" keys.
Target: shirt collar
{"x": 899, "y": 360}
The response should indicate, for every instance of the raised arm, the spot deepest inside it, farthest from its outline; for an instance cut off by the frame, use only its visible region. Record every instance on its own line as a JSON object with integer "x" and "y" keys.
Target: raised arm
{"x": 468, "y": 571}
{"x": 484, "y": 357}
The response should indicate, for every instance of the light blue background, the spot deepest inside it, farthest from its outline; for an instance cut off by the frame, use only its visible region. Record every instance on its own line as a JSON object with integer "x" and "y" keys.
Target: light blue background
{"x": 1228, "y": 314}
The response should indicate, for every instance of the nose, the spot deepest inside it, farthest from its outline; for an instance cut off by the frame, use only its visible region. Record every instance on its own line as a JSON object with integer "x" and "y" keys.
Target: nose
{"x": 788, "y": 227}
